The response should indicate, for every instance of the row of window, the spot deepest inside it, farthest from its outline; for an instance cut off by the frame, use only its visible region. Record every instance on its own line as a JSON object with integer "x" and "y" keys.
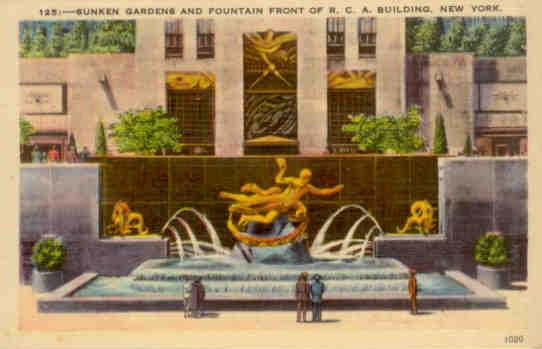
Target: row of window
{"x": 205, "y": 37}
{"x": 366, "y": 36}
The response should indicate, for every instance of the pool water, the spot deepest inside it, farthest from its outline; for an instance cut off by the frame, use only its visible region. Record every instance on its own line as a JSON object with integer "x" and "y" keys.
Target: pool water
{"x": 226, "y": 277}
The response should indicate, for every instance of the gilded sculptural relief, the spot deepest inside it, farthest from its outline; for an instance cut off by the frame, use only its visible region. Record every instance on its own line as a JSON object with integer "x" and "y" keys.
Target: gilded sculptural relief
{"x": 266, "y": 205}
{"x": 421, "y": 218}
{"x": 270, "y": 82}
{"x": 124, "y": 221}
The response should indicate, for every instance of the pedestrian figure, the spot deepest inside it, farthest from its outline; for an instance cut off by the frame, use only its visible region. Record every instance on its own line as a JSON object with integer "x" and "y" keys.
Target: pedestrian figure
{"x": 302, "y": 296}
{"x": 44, "y": 157}
{"x": 71, "y": 155}
{"x": 412, "y": 291}
{"x": 317, "y": 289}
{"x": 53, "y": 154}
{"x": 84, "y": 154}
{"x": 187, "y": 290}
{"x": 197, "y": 295}
{"x": 36, "y": 155}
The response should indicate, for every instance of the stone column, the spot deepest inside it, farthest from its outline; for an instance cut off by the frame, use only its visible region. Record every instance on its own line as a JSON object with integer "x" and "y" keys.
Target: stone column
{"x": 390, "y": 65}
{"x": 189, "y": 39}
{"x": 150, "y": 59}
{"x": 312, "y": 88}
{"x": 229, "y": 135}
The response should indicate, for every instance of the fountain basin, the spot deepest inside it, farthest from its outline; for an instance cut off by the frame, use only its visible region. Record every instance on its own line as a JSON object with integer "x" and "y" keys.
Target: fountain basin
{"x": 364, "y": 283}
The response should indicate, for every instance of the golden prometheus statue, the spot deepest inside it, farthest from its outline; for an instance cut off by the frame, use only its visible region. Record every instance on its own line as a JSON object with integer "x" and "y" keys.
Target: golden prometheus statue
{"x": 267, "y": 205}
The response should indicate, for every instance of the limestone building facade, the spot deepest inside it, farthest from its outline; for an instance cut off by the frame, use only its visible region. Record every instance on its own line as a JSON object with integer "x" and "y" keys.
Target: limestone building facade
{"x": 267, "y": 85}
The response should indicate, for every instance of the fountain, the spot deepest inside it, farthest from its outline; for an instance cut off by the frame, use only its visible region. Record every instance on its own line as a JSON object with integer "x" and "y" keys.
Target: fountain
{"x": 271, "y": 251}
{"x": 270, "y": 228}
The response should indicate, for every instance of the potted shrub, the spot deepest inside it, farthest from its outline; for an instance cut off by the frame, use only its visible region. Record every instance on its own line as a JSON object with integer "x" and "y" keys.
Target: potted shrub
{"x": 491, "y": 255}
{"x": 48, "y": 257}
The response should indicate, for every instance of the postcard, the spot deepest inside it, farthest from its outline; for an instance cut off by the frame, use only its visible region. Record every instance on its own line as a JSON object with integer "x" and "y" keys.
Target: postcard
{"x": 270, "y": 174}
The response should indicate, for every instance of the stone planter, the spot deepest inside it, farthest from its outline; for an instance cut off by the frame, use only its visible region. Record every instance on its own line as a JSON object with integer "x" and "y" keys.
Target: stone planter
{"x": 46, "y": 281}
{"x": 494, "y": 278}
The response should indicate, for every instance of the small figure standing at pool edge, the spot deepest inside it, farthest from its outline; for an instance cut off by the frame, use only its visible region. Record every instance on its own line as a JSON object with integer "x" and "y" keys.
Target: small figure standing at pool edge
{"x": 197, "y": 295}
{"x": 187, "y": 290}
{"x": 317, "y": 289}
{"x": 302, "y": 296}
{"x": 412, "y": 291}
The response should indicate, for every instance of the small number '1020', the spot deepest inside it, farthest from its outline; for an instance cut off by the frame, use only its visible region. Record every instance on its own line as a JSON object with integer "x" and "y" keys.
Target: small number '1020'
{"x": 513, "y": 339}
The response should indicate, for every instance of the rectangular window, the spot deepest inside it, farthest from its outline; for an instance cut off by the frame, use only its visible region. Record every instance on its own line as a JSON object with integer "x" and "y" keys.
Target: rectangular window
{"x": 174, "y": 38}
{"x": 205, "y": 38}
{"x": 341, "y": 104}
{"x": 367, "y": 37}
{"x": 335, "y": 36}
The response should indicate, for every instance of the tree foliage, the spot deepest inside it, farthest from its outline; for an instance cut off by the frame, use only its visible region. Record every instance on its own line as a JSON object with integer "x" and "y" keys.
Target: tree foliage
{"x": 76, "y": 37}
{"x": 26, "y": 40}
{"x": 440, "y": 143}
{"x": 146, "y": 132}
{"x": 38, "y": 48}
{"x": 101, "y": 141}
{"x": 25, "y": 131}
{"x": 483, "y": 39}
{"x": 516, "y": 40}
{"x": 494, "y": 42}
{"x": 427, "y": 37}
{"x": 55, "y": 46}
{"x": 453, "y": 40}
{"x": 112, "y": 37}
{"x": 386, "y": 133}
{"x": 76, "y": 40}
{"x": 474, "y": 37}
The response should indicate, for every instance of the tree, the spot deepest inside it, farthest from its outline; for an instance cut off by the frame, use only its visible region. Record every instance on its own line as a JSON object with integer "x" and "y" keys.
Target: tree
{"x": 386, "y": 133}
{"x": 474, "y": 37}
{"x": 55, "y": 45}
{"x": 517, "y": 39}
{"x": 146, "y": 132}
{"x": 467, "y": 148}
{"x": 412, "y": 25}
{"x": 39, "y": 43}
{"x": 113, "y": 36}
{"x": 76, "y": 40}
{"x": 440, "y": 144}
{"x": 494, "y": 41}
{"x": 72, "y": 143}
{"x": 454, "y": 38}
{"x": 427, "y": 37}
{"x": 26, "y": 41}
{"x": 101, "y": 141}
{"x": 25, "y": 131}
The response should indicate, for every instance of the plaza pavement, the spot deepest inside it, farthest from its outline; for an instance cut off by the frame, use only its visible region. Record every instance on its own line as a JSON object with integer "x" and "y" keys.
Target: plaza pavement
{"x": 276, "y": 329}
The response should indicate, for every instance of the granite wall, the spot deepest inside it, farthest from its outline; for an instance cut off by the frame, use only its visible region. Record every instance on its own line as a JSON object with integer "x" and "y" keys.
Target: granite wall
{"x": 64, "y": 200}
{"x": 476, "y": 195}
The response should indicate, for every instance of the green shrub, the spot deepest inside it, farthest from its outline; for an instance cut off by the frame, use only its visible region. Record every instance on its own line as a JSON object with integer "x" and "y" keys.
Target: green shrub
{"x": 386, "y": 133}
{"x": 467, "y": 148}
{"x": 25, "y": 131}
{"x": 490, "y": 250}
{"x": 440, "y": 143}
{"x": 49, "y": 254}
{"x": 146, "y": 132}
{"x": 101, "y": 142}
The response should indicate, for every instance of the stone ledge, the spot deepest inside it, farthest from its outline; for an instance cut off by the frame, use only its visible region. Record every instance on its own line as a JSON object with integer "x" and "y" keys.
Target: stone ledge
{"x": 413, "y": 237}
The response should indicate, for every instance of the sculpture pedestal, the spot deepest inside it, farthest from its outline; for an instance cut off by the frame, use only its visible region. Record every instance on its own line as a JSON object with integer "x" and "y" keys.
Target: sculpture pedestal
{"x": 291, "y": 253}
